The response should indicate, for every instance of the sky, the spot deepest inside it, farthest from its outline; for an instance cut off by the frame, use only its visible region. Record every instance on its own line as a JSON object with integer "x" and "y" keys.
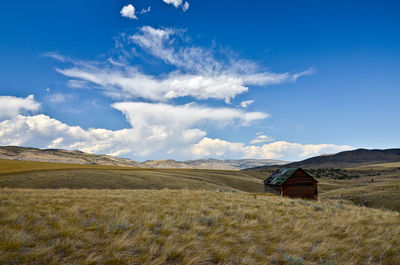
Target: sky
{"x": 172, "y": 79}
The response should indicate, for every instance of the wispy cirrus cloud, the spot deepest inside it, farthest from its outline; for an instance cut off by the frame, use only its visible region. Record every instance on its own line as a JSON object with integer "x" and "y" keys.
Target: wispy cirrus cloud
{"x": 57, "y": 98}
{"x": 130, "y": 83}
{"x": 198, "y": 73}
{"x": 144, "y": 11}
{"x": 159, "y": 126}
{"x": 246, "y": 103}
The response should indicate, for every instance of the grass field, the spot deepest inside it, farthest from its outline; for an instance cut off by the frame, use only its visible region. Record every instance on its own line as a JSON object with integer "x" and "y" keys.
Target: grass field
{"x": 190, "y": 227}
{"x": 18, "y": 166}
{"x": 20, "y": 174}
{"x": 381, "y": 165}
{"x": 117, "y": 215}
{"x": 383, "y": 193}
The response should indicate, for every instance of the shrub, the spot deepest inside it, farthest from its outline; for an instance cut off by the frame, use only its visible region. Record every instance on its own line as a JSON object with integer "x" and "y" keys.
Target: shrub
{"x": 318, "y": 208}
{"x": 117, "y": 227}
{"x": 329, "y": 262}
{"x": 206, "y": 221}
{"x": 292, "y": 260}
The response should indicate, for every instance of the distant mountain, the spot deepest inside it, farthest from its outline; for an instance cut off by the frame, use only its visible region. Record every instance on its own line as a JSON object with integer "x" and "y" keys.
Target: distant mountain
{"x": 78, "y": 157}
{"x": 230, "y": 164}
{"x": 345, "y": 159}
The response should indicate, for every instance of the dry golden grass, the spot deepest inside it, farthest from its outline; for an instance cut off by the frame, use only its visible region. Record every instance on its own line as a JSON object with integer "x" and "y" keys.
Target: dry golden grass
{"x": 18, "y": 166}
{"x": 378, "y": 166}
{"x": 22, "y": 174}
{"x": 379, "y": 194}
{"x": 189, "y": 227}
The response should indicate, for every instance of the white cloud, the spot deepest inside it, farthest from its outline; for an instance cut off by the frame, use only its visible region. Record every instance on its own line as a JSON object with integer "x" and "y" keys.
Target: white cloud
{"x": 144, "y": 11}
{"x": 175, "y": 3}
{"x": 128, "y": 11}
{"x": 261, "y": 138}
{"x": 58, "y": 98}
{"x": 156, "y": 130}
{"x": 185, "y": 6}
{"x": 246, "y": 103}
{"x": 129, "y": 83}
{"x": 172, "y": 47}
{"x": 166, "y": 45}
{"x": 56, "y": 56}
{"x": 276, "y": 150}
{"x": 43, "y": 131}
{"x": 199, "y": 74}
{"x": 12, "y": 106}
{"x": 159, "y": 128}
{"x": 141, "y": 114}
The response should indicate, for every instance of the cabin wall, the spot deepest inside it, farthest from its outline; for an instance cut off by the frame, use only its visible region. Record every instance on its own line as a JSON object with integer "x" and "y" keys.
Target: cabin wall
{"x": 300, "y": 185}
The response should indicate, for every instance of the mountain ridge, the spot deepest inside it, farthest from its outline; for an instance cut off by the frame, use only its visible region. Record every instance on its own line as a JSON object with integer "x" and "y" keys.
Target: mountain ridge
{"x": 345, "y": 159}
{"x": 79, "y": 157}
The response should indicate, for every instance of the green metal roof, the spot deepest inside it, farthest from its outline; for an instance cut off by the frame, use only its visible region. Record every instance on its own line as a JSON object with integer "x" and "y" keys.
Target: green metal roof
{"x": 280, "y": 176}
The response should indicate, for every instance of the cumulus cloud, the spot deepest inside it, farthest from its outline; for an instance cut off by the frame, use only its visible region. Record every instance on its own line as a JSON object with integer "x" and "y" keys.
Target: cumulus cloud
{"x": 128, "y": 11}
{"x": 12, "y": 106}
{"x": 150, "y": 135}
{"x": 175, "y": 3}
{"x": 156, "y": 129}
{"x": 198, "y": 73}
{"x": 261, "y": 138}
{"x": 246, "y": 103}
{"x": 275, "y": 150}
{"x": 43, "y": 131}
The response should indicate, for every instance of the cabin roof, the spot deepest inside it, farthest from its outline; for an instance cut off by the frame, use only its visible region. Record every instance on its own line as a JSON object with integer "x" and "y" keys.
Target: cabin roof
{"x": 281, "y": 175}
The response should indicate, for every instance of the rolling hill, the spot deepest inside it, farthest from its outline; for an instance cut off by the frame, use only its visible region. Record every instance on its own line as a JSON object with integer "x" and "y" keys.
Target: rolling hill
{"x": 46, "y": 175}
{"x": 346, "y": 159}
{"x": 62, "y": 156}
{"x": 78, "y": 157}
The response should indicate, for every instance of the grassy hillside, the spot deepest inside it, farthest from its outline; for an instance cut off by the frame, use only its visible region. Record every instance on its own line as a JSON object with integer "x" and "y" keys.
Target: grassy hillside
{"x": 61, "y": 156}
{"x": 379, "y": 194}
{"x": 392, "y": 165}
{"x": 190, "y": 227}
{"x": 23, "y": 174}
{"x": 382, "y": 193}
{"x": 17, "y": 166}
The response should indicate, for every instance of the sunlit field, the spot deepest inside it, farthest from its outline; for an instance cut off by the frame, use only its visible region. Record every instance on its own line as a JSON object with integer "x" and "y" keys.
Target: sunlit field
{"x": 191, "y": 227}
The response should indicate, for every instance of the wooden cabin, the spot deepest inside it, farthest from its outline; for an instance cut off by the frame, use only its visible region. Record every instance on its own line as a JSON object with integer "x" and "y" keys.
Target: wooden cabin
{"x": 292, "y": 182}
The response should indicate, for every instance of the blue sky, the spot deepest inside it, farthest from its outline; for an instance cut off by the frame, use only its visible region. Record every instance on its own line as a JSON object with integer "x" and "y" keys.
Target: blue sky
{"x": 223, "y": 79}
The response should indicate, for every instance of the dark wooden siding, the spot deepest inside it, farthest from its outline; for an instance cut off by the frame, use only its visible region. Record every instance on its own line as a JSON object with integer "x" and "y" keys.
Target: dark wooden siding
{"x": 300, "y": 184}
